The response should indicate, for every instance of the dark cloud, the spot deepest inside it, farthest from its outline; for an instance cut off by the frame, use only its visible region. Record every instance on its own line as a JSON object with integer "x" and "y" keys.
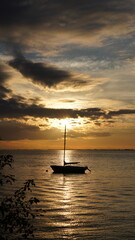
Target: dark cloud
{"x": 12, "y": 130}
{"x": 67, "y": 100}
{"x": 40, "y": 73}
{"x": 14, "y": 109}
{"x": 21, "y": 20}
{"x": 4, "y": 76}
{"x": 35, "y": 12}
{"x": 43, "y": 74}
{"x": 120, "y": 112}
{"x": 22, "y": 13}
{"x": 17, "y": 108}
{"x": 79, "y": 134}
{"x": 4, "y": 91}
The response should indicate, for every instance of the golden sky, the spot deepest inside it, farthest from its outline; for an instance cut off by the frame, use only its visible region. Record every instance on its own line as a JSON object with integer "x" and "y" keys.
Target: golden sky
{"x": 70, "y": 60}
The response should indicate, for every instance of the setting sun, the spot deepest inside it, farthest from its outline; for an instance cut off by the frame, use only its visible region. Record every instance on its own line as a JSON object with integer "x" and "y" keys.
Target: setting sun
{"x": 69, "y": 122}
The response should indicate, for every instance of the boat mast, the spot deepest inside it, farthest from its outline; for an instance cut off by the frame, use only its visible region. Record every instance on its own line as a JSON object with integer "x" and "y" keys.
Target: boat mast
{"x": 64, "y": 144}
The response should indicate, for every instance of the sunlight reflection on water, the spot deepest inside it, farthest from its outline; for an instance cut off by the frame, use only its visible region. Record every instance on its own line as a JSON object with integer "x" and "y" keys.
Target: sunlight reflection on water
{"x": 99, "y": 205}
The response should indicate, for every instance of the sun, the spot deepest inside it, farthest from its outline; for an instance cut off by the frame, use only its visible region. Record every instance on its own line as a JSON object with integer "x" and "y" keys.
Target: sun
{"x": 61, "y": 123}
{"x": 68, "y": 122}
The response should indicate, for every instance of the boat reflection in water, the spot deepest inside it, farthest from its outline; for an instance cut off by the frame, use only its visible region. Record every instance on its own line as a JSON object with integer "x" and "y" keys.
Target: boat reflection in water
{"x": 68, "y": 167}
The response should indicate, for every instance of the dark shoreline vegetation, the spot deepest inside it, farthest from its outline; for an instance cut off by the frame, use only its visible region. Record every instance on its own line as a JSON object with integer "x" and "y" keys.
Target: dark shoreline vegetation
{"x": 16, "y": 210}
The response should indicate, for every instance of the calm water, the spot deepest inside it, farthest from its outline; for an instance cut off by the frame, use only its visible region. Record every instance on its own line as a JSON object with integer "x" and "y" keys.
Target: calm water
{"x": 96, "y": 205}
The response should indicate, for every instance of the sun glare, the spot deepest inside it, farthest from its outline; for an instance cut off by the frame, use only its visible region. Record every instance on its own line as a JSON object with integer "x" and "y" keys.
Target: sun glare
{"x": 69, "y": 122}
{"x": 66, "y": 122}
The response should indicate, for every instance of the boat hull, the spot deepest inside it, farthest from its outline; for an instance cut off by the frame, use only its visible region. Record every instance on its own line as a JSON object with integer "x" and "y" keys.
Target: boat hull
{"x": 68, "y": 169}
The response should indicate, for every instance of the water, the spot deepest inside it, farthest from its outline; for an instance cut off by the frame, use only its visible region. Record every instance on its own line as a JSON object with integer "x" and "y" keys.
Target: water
{"x": 96, "y": 205}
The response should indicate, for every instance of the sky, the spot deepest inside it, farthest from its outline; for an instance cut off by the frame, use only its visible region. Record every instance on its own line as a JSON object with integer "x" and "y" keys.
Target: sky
{"x": 67, "y": 61}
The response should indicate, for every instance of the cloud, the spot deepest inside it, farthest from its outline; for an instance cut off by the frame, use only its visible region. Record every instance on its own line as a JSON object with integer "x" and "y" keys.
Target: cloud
{"x": 4, "y": 76}
{"x": 79, "y": 134}
{"x": 17, "y": 108}
{"x": 120, "y": 112}
{"x": 40, "y": 73}
{"x": 13, "y": 130}
{"x": 67, "y": 100}
{"x": 35, "y": 22}
{"x": 49, "y": 76}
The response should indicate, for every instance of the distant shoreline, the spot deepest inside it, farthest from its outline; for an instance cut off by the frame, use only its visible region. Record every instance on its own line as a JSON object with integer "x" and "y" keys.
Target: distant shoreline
{"x": 66, "y": 150}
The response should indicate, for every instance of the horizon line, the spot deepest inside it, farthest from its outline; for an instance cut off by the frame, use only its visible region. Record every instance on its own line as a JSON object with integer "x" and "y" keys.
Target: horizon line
{"x": 93, "y": 149}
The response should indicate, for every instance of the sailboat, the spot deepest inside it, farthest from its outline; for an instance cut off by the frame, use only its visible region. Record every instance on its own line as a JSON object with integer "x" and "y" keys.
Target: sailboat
{"x": 68, "y": 167}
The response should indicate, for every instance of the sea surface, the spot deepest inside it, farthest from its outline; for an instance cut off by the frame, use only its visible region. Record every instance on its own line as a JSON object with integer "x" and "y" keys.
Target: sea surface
{"x": 99, "y": 205}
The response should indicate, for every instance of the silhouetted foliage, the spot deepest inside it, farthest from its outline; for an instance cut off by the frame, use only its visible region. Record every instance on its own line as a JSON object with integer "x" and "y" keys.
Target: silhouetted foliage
{"x": 6, "y": 160}
{"x": 16, "y": 210}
